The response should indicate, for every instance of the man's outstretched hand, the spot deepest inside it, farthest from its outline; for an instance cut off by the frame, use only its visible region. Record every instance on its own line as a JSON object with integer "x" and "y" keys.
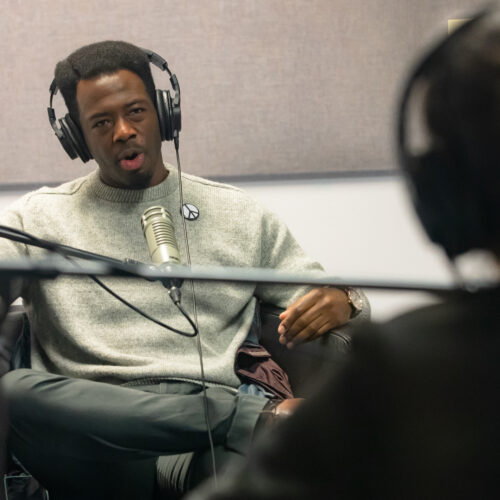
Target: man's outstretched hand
{"x": 312, "y": 315}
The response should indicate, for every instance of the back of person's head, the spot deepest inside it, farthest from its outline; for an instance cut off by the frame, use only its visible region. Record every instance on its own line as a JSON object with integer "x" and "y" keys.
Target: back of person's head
{"x": 98, "y": 59}
{"x": 456, "y": 182}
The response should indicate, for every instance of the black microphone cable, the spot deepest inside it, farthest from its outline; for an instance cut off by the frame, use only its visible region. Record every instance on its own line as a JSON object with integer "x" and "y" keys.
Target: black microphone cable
{"x": 62, "y": 250}
{"x": 144, "y": 314}
{"x": 195, "y": 313}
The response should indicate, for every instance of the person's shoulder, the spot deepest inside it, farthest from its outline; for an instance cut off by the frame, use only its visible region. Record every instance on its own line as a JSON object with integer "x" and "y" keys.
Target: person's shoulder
{"x": 458, "y": 311}
{"x": 208, "y": 184}
{"x": 227, "y": 198}
{"x": 418, "y": 323}
{"x": 220, "y": 194}
{"x": 42, "y": 197}
{"x": 65, "y": 189}
{"x": 458, "y": 321}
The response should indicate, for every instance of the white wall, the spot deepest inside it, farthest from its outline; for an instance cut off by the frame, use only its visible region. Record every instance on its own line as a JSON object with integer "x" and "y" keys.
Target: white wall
{"x": 357, "y": 228}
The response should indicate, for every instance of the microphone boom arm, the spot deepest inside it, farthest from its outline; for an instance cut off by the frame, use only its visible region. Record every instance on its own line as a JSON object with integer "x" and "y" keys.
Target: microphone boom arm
{"x": 51, "y": 267}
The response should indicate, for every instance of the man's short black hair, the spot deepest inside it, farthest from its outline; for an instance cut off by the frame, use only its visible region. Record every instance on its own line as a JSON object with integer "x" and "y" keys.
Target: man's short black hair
{"x": 97, "y": 59}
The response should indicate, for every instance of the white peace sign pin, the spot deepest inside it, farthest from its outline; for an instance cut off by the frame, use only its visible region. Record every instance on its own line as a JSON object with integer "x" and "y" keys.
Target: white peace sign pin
{"x": 190, "y": 212}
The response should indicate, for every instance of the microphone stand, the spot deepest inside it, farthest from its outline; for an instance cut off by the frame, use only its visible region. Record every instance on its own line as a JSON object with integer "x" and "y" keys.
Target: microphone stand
{"x": 52, "y": 267}
{"x": 100, "y": 265}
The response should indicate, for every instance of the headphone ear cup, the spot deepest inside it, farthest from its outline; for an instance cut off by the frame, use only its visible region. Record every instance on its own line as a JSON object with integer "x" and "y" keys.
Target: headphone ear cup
{"x": 74, "y": 138}
{"x": 176, "y": 114}
{"x": 438, "y": 202}
{"x": 164, "y": 108}
{"x": 160, "y": 110}
{"x": 64, "y": 140}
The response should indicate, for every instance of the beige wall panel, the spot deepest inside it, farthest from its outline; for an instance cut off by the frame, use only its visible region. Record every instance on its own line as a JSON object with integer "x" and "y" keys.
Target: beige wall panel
{"x": 269, "y": 87}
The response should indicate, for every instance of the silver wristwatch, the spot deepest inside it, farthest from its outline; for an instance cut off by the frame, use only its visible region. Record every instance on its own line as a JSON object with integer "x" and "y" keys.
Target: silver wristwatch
{"x": 355, "y": 300}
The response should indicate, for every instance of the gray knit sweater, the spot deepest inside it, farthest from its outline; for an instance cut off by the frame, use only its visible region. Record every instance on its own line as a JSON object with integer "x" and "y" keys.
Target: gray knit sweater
{"x": 79, "y": 330}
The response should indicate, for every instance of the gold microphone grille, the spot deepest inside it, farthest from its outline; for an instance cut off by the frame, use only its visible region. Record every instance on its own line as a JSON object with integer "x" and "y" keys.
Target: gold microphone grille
{"x": 158, "y": 228}
{"x": 155, "y": 213}
{"x": 163, "y": 233}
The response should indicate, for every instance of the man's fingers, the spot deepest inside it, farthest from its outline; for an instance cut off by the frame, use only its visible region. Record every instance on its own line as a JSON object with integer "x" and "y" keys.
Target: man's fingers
{"x": 296, "y": 310}
{"x": 307, "y": 320}
{"x": 313, "y": 314}
{"x": 312, "y": 331}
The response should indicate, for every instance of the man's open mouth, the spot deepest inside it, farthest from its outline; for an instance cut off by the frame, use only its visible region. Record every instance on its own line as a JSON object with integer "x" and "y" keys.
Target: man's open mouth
{"x": 132, "y": 161}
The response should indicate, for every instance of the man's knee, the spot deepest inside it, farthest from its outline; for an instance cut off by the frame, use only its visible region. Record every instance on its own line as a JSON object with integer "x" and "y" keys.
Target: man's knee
{"x": 14, "y": 382}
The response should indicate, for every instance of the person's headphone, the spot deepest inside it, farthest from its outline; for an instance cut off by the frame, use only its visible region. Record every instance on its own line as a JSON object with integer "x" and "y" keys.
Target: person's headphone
{"x": 447, "y": 204}
{"x": 169, "y": 115}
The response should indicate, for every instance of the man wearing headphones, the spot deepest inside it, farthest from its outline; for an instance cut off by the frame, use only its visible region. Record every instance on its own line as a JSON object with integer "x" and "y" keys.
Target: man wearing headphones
{"x": 415, "y": 411}
{"x": 108, "y": 391}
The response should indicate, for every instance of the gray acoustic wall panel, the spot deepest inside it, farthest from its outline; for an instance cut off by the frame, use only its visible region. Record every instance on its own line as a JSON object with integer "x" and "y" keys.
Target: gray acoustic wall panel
{"x": 269, "y": 87}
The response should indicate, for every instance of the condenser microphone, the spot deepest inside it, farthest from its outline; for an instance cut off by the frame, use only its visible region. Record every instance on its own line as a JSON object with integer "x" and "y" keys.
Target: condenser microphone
{"x": 158, "y": 229}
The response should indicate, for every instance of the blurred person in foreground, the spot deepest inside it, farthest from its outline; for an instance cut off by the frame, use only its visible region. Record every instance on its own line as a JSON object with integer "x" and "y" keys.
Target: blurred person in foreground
{"x": 414, "y": 412}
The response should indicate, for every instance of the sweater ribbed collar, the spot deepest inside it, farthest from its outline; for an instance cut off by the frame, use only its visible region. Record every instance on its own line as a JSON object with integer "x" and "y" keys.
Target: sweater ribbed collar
{"x": 119, "y": 195}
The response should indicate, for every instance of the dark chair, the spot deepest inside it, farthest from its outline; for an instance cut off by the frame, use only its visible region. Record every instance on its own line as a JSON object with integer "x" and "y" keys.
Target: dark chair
{"x": 18, "y": 484}
{"x": 3, "y": 443}
{"x": 304, "y": 364}
{"x": 14, "y": 340}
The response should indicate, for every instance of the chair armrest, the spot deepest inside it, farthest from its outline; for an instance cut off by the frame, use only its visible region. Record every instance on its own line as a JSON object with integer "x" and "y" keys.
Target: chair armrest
{"x": 306, "y": 363}
{"x": 14, "y": 341}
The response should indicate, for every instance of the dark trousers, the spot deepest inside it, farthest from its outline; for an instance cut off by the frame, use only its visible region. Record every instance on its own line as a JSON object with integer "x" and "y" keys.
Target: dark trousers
{"x": 84, "y": 439}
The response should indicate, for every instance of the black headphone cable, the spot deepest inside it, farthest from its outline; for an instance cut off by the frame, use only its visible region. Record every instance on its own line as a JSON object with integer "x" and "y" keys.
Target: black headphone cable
{"x": 195, "y": 314}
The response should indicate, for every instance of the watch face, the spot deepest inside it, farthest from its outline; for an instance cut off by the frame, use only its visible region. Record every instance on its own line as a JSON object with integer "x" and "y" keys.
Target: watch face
{"x": 356, "y": 299}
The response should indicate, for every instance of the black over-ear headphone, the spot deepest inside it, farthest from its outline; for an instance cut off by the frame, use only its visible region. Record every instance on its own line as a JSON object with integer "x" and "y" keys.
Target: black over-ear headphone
{"x": 169, "y": 115}
{"x": 444, "y": 201}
